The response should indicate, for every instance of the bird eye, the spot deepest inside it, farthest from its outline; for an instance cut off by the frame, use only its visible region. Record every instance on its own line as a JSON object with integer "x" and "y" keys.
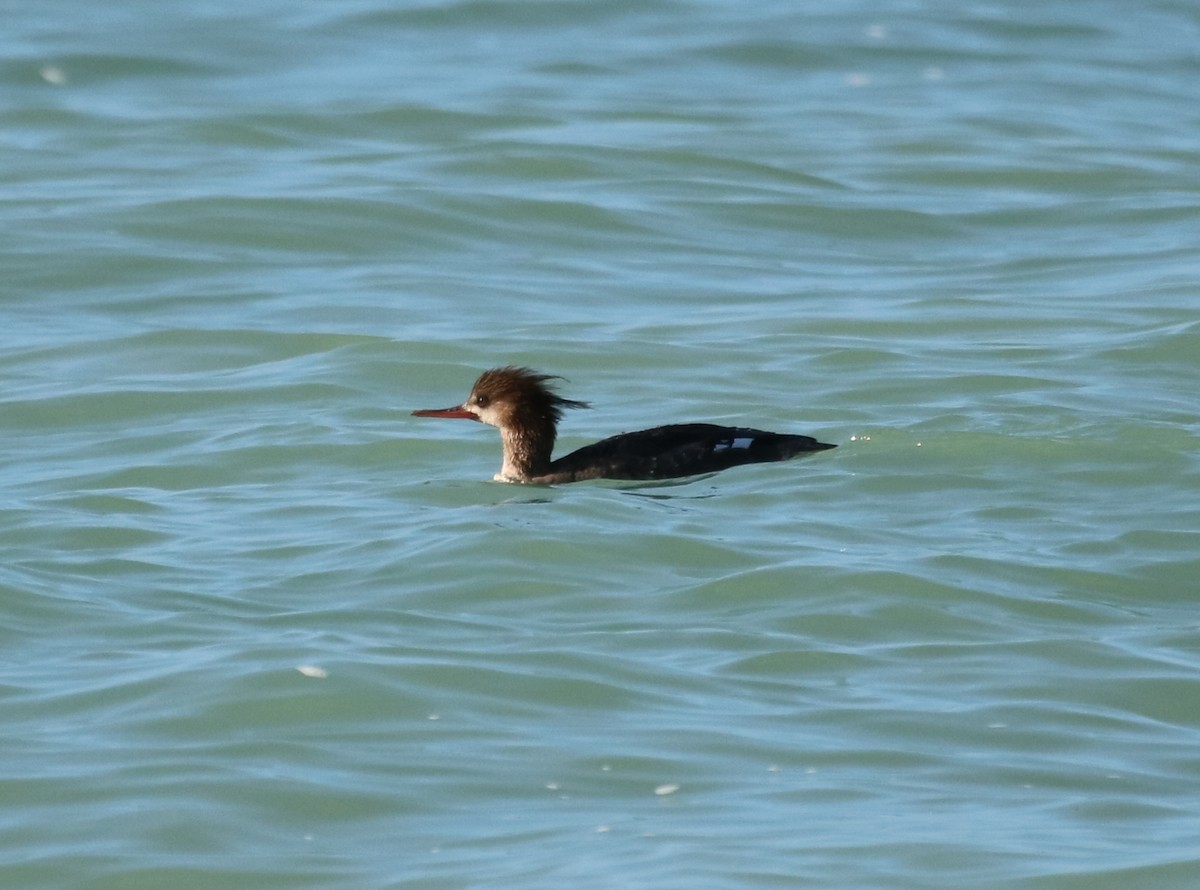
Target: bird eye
{"x": 481, "y": 401}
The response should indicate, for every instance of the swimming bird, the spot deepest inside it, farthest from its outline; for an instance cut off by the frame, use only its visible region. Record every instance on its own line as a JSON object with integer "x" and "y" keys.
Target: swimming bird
{"x": 527, "y": 410}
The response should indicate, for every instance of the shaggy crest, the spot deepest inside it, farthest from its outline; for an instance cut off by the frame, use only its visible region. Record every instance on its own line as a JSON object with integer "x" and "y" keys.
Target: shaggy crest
{"x": 523, "y": 388}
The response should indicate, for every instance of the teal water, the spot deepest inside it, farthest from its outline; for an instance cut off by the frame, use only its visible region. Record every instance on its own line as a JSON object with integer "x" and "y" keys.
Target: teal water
{"x": 261, "y": 628}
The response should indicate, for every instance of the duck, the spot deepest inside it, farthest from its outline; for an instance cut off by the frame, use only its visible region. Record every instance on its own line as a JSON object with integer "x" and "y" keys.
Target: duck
{"x": 524, "y": 405}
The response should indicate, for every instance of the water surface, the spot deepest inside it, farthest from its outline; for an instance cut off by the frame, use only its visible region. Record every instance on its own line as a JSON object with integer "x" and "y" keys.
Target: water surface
{"x": 260, "y": 627}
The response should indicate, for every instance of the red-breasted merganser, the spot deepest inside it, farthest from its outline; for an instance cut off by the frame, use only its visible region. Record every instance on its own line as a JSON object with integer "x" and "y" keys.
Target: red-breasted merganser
{"x": 521, "y": 403}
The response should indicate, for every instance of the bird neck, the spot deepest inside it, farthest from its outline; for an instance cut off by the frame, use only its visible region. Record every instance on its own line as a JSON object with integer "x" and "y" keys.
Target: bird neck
{"x": 527, "y": 450}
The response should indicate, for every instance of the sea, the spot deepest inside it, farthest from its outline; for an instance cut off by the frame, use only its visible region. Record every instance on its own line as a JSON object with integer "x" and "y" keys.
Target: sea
{"x": 262, "y": 628}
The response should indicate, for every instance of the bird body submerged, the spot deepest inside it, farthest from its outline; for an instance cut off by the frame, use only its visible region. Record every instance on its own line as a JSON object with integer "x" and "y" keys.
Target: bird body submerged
{"x": 521, "y": 403}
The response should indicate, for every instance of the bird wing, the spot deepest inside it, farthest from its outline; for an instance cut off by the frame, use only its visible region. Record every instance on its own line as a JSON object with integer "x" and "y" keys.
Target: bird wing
{"x": 680, "y": 450}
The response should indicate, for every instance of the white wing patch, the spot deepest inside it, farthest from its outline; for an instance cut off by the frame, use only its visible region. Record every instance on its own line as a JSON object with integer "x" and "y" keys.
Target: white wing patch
{"x": 741, "y": 442}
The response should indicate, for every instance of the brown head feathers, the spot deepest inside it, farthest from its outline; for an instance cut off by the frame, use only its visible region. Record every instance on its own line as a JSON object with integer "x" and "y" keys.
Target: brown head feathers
{"x": 523, "y": 389}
